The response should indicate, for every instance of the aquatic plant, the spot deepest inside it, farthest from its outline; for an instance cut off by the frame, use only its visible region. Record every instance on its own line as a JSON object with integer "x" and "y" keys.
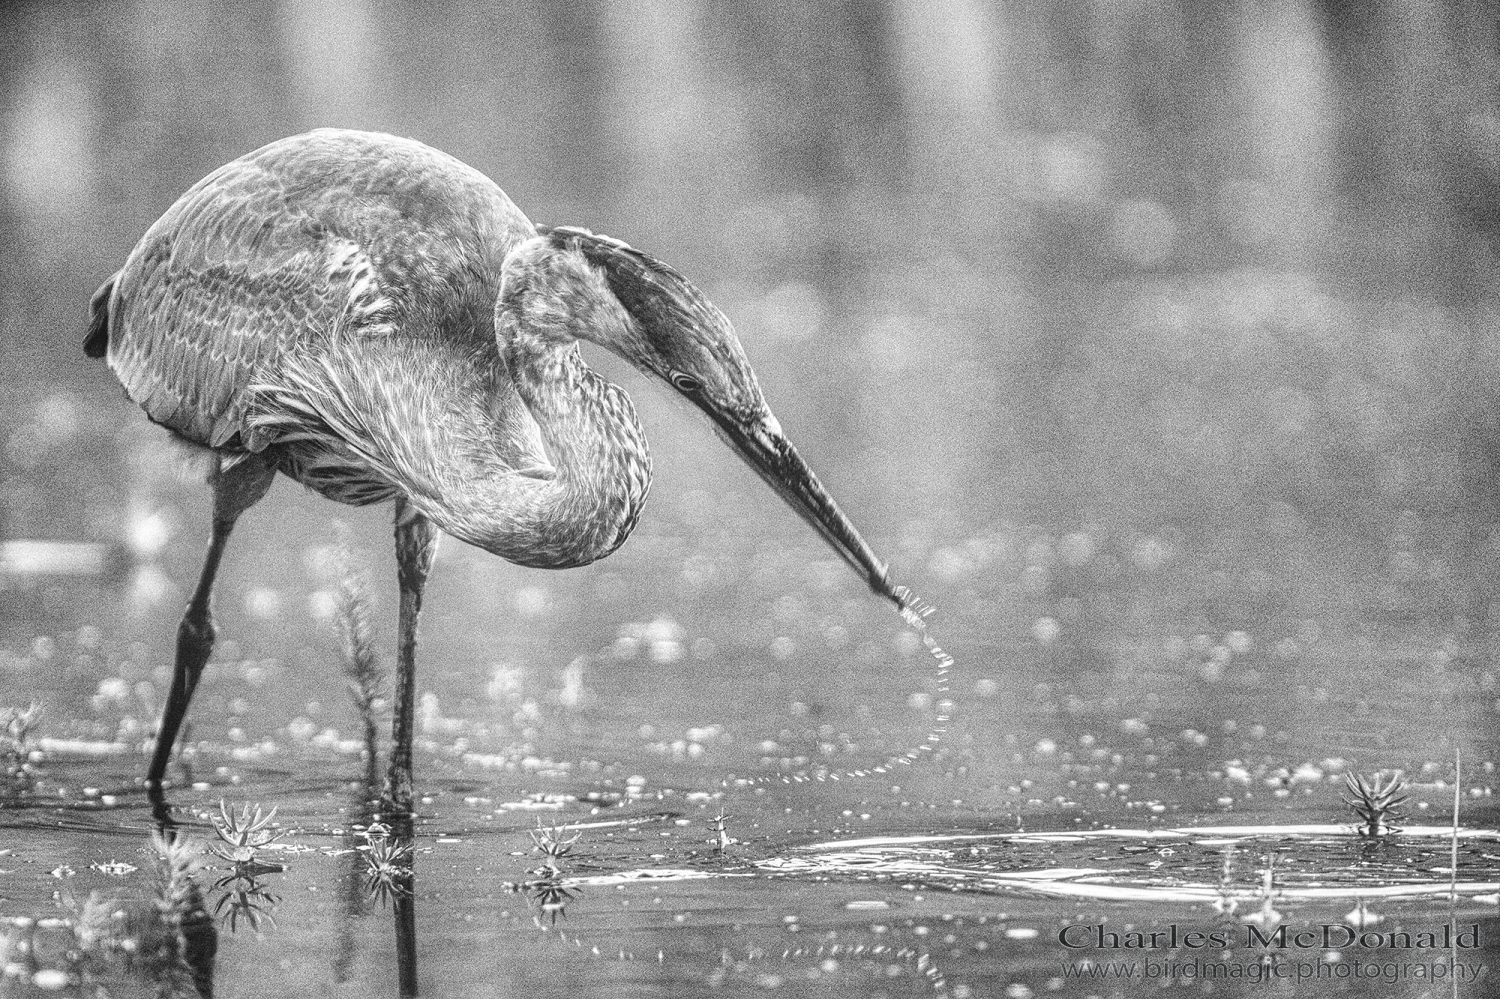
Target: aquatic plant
{"x": 100, "y": 934}
{"x": 1458, "y": 786}
{"x": 388, "y": 872}
{"x": 177, "y": 860}
{"x": 1227, "y": 904}
{"x": 184, "y": 952}
{"x": 361, "y": 665}
{"x": 554, "y": 845}
{"x": 1267, "y": 915}
{"x": 719, "y": 824}
{"x": 376, "y": 830}
{"x": 16, "y": 725}
{"x": 166, "y": 944}
{"x": 1377, "y": 802}
{"x": 243, "y": 834}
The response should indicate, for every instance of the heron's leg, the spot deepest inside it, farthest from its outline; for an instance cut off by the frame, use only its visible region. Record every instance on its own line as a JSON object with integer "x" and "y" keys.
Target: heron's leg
{"x": 236, "y": 488}
{"x": 416, "y": 544}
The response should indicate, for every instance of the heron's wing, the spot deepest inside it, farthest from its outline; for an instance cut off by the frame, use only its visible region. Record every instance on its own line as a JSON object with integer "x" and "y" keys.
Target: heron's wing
{"x": 333, "y": 293}
{"x": 223, "y": 286}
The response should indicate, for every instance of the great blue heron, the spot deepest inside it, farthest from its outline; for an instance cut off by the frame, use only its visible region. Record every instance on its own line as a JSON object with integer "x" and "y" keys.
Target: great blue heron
{"x": 378, "y": 321}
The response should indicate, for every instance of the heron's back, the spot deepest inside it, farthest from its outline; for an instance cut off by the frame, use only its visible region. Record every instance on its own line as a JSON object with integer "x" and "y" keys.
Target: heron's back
{"x": 339, "y": 254}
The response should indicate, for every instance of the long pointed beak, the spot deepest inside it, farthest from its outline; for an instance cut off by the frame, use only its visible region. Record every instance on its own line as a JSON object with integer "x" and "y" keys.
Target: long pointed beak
{"x": 766, "y": 449}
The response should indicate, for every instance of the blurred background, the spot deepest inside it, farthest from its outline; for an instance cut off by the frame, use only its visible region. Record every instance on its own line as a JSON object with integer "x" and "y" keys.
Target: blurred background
{"x": 1154, "y": 342}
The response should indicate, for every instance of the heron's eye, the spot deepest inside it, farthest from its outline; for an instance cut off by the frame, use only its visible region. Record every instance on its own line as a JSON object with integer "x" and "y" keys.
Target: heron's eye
{"x": 682, "y": 382}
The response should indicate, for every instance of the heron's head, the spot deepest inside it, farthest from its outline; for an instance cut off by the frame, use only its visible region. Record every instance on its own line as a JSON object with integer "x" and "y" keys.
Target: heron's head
{"x": 674, "y": 332}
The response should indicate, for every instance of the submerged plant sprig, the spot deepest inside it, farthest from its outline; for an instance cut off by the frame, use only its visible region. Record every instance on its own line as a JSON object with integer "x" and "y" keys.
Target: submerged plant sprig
{"x": 1377, "y": 802}
{"x": 356, "y": 634}
{"x": 178, "y": 858}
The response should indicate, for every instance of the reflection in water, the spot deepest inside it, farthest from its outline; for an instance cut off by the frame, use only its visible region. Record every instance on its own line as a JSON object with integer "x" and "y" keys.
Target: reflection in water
{"x": 242, "y": 835}
{"x": 769, "y": 960}
{"x": 391, "y": 876}
{"x": 1189, "y": 864}
{"x": 379, "y": 843}
{"x": 550, "y": 897}
{"x": 244, "y": 897}
{"x": 388, "y": 867}
{"x": 379, "y": 862}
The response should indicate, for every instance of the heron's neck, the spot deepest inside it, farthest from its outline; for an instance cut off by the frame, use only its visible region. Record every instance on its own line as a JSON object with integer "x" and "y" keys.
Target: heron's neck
{"x": 582, "y": 502}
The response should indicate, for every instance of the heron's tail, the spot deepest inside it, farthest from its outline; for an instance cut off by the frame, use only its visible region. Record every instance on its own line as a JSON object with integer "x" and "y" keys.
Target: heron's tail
{"x": 97, "y": 340}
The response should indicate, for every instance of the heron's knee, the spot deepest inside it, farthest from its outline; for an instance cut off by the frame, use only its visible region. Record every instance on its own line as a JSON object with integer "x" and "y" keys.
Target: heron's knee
{"x": 195, "y": 637}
